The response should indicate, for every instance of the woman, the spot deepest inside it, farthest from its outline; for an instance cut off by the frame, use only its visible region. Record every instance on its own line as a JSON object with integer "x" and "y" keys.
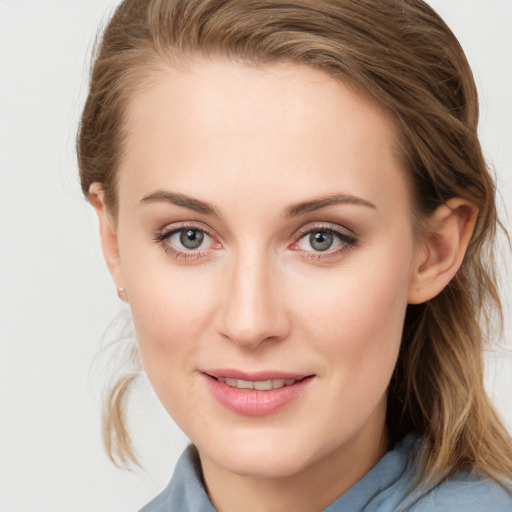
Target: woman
{"x": 293, "y": 201}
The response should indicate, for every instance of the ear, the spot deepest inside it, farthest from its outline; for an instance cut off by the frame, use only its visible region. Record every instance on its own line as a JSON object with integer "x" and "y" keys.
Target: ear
{"x": 108, "y": 237}
{"x": 449, "y": 231}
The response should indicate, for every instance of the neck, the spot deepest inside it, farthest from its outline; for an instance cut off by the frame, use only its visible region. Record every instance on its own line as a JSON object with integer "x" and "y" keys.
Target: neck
{"x": 309, "y": 490}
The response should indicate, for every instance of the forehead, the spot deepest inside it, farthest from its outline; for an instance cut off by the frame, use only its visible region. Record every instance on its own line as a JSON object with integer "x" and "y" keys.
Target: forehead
{"x": 255, "y": 128}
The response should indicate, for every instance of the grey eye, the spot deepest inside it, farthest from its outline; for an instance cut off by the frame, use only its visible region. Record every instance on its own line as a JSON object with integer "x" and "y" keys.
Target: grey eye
{"x": 321, "y": 240}
{"x": 191, "y": 238}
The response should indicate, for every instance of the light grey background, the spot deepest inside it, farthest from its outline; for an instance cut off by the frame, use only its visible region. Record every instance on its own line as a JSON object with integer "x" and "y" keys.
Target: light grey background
{"x": 56, "y": 299}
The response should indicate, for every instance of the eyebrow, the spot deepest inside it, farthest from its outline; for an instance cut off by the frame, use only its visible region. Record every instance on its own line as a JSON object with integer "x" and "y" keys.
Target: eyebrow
{"x": 180, "y": 200}
{"x": 292, "y": 211}
{"x": 324, "y": 202}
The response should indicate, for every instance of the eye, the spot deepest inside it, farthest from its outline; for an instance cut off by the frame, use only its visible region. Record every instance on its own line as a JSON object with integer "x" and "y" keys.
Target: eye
{"x": 186, "y": 241}
{"x": 323, "y": 239}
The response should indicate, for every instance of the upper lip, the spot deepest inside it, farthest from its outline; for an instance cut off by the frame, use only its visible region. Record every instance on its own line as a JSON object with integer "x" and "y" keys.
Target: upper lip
{"x": 231, "y": 373}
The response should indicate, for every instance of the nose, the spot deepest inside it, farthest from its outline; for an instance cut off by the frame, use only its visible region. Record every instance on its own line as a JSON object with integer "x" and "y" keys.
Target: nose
{"x": 253, "y": 303}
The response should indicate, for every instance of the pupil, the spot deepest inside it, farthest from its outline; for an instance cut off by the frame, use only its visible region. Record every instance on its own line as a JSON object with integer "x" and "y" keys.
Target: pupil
{"x": 321, "y": 241}
{"x": 191, "y": 238}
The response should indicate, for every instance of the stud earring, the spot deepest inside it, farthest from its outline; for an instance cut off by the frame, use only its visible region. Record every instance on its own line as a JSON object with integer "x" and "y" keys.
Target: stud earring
{"x": 121, "y": 293}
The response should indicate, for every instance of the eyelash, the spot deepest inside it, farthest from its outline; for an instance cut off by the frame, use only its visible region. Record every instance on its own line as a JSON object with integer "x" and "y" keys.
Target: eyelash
{"x": 346, "y": 241}
{"x": 166, "y": 233}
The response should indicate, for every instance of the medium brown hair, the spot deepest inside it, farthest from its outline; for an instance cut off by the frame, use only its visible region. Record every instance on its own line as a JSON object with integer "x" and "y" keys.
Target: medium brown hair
{"x": 403, "y": 57}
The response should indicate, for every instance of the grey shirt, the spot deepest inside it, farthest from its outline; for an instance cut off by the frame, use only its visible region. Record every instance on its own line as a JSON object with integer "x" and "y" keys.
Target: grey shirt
{"x": 385, "y": 488}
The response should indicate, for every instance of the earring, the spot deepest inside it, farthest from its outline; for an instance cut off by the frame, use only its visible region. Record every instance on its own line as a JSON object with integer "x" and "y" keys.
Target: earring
{"x": 121, "y": 293}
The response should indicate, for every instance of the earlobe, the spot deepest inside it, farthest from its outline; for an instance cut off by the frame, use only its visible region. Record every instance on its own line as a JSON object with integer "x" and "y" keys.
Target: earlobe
{"x": 449, "y": 231}
{"x": 108, "y": 236}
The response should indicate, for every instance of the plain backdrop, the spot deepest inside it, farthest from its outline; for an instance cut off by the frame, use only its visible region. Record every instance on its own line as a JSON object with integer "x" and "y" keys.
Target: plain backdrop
{"x": 56, "y": 299}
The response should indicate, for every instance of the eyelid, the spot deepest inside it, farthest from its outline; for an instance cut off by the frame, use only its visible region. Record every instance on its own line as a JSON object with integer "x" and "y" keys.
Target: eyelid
{"x": 348, "y": 239}
{"x": 174, "y": 227}
{"x": 320, "y": 226}
{"x": 164, "y": 234}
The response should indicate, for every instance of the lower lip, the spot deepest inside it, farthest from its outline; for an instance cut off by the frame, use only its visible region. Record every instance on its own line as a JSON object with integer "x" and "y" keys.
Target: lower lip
{"x": 250, "y": 402}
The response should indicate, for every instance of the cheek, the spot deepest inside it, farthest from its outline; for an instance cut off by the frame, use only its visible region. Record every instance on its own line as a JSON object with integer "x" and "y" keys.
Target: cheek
{"x": 357, "y": 327}
{"x": 171, "y": 307}
{"x": 357, "y": 316}
{"x": 170, "y": 317}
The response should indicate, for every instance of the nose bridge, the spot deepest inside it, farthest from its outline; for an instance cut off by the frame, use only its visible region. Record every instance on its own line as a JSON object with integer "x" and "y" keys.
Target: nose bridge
{"x": 253, "y": 309}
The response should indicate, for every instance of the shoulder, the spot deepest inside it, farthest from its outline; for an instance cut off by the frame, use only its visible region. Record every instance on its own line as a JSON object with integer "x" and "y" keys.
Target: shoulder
{"x": 463, "y": 492}
{"x": 185, "y": 491}
{"x": 159, "y": 504}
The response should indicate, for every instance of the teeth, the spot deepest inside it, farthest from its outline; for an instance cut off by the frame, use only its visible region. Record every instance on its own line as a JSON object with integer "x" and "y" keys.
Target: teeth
{"x": 279, "y": 383}
{"x": 263, "y": 385}
{"x": 260, "y": 385}
{"x": 245, "y": 384}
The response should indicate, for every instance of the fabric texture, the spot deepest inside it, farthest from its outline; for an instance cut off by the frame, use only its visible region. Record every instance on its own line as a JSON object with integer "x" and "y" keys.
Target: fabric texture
{"x": 387, "y": 487}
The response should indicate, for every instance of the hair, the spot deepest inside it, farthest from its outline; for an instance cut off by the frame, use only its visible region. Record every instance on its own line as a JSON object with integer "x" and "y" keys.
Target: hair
{"x": 400, "y": 55}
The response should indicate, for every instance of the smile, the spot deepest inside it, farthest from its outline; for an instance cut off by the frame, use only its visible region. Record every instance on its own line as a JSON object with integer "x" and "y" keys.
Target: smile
{"x": 256, "y": 394}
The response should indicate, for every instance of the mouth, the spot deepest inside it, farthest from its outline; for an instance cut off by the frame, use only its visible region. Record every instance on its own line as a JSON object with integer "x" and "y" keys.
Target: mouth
{"x": 256, "y": 394}
{"x": 258, "y": 385}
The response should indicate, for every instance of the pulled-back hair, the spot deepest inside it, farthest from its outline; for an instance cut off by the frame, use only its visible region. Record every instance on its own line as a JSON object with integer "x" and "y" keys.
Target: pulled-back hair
{"x": 401, "y": 56}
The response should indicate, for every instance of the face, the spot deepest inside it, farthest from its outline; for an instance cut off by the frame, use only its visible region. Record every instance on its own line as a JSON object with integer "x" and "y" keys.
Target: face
{"x": 266, "y": 249}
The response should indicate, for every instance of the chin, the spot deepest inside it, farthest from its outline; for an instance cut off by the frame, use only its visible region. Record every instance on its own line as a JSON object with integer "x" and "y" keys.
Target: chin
{"x": 262, "y": 459}
{"x": 265, "y": 467}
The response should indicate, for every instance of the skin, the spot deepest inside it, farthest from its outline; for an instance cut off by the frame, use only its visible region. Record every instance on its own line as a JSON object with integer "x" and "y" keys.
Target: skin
{"x": 251, "y": 143}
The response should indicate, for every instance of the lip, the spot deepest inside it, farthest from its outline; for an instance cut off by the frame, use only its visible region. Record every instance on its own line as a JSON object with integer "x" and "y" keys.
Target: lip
{"x": 254, "y": 376}
{"x": 250, "y": 402}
